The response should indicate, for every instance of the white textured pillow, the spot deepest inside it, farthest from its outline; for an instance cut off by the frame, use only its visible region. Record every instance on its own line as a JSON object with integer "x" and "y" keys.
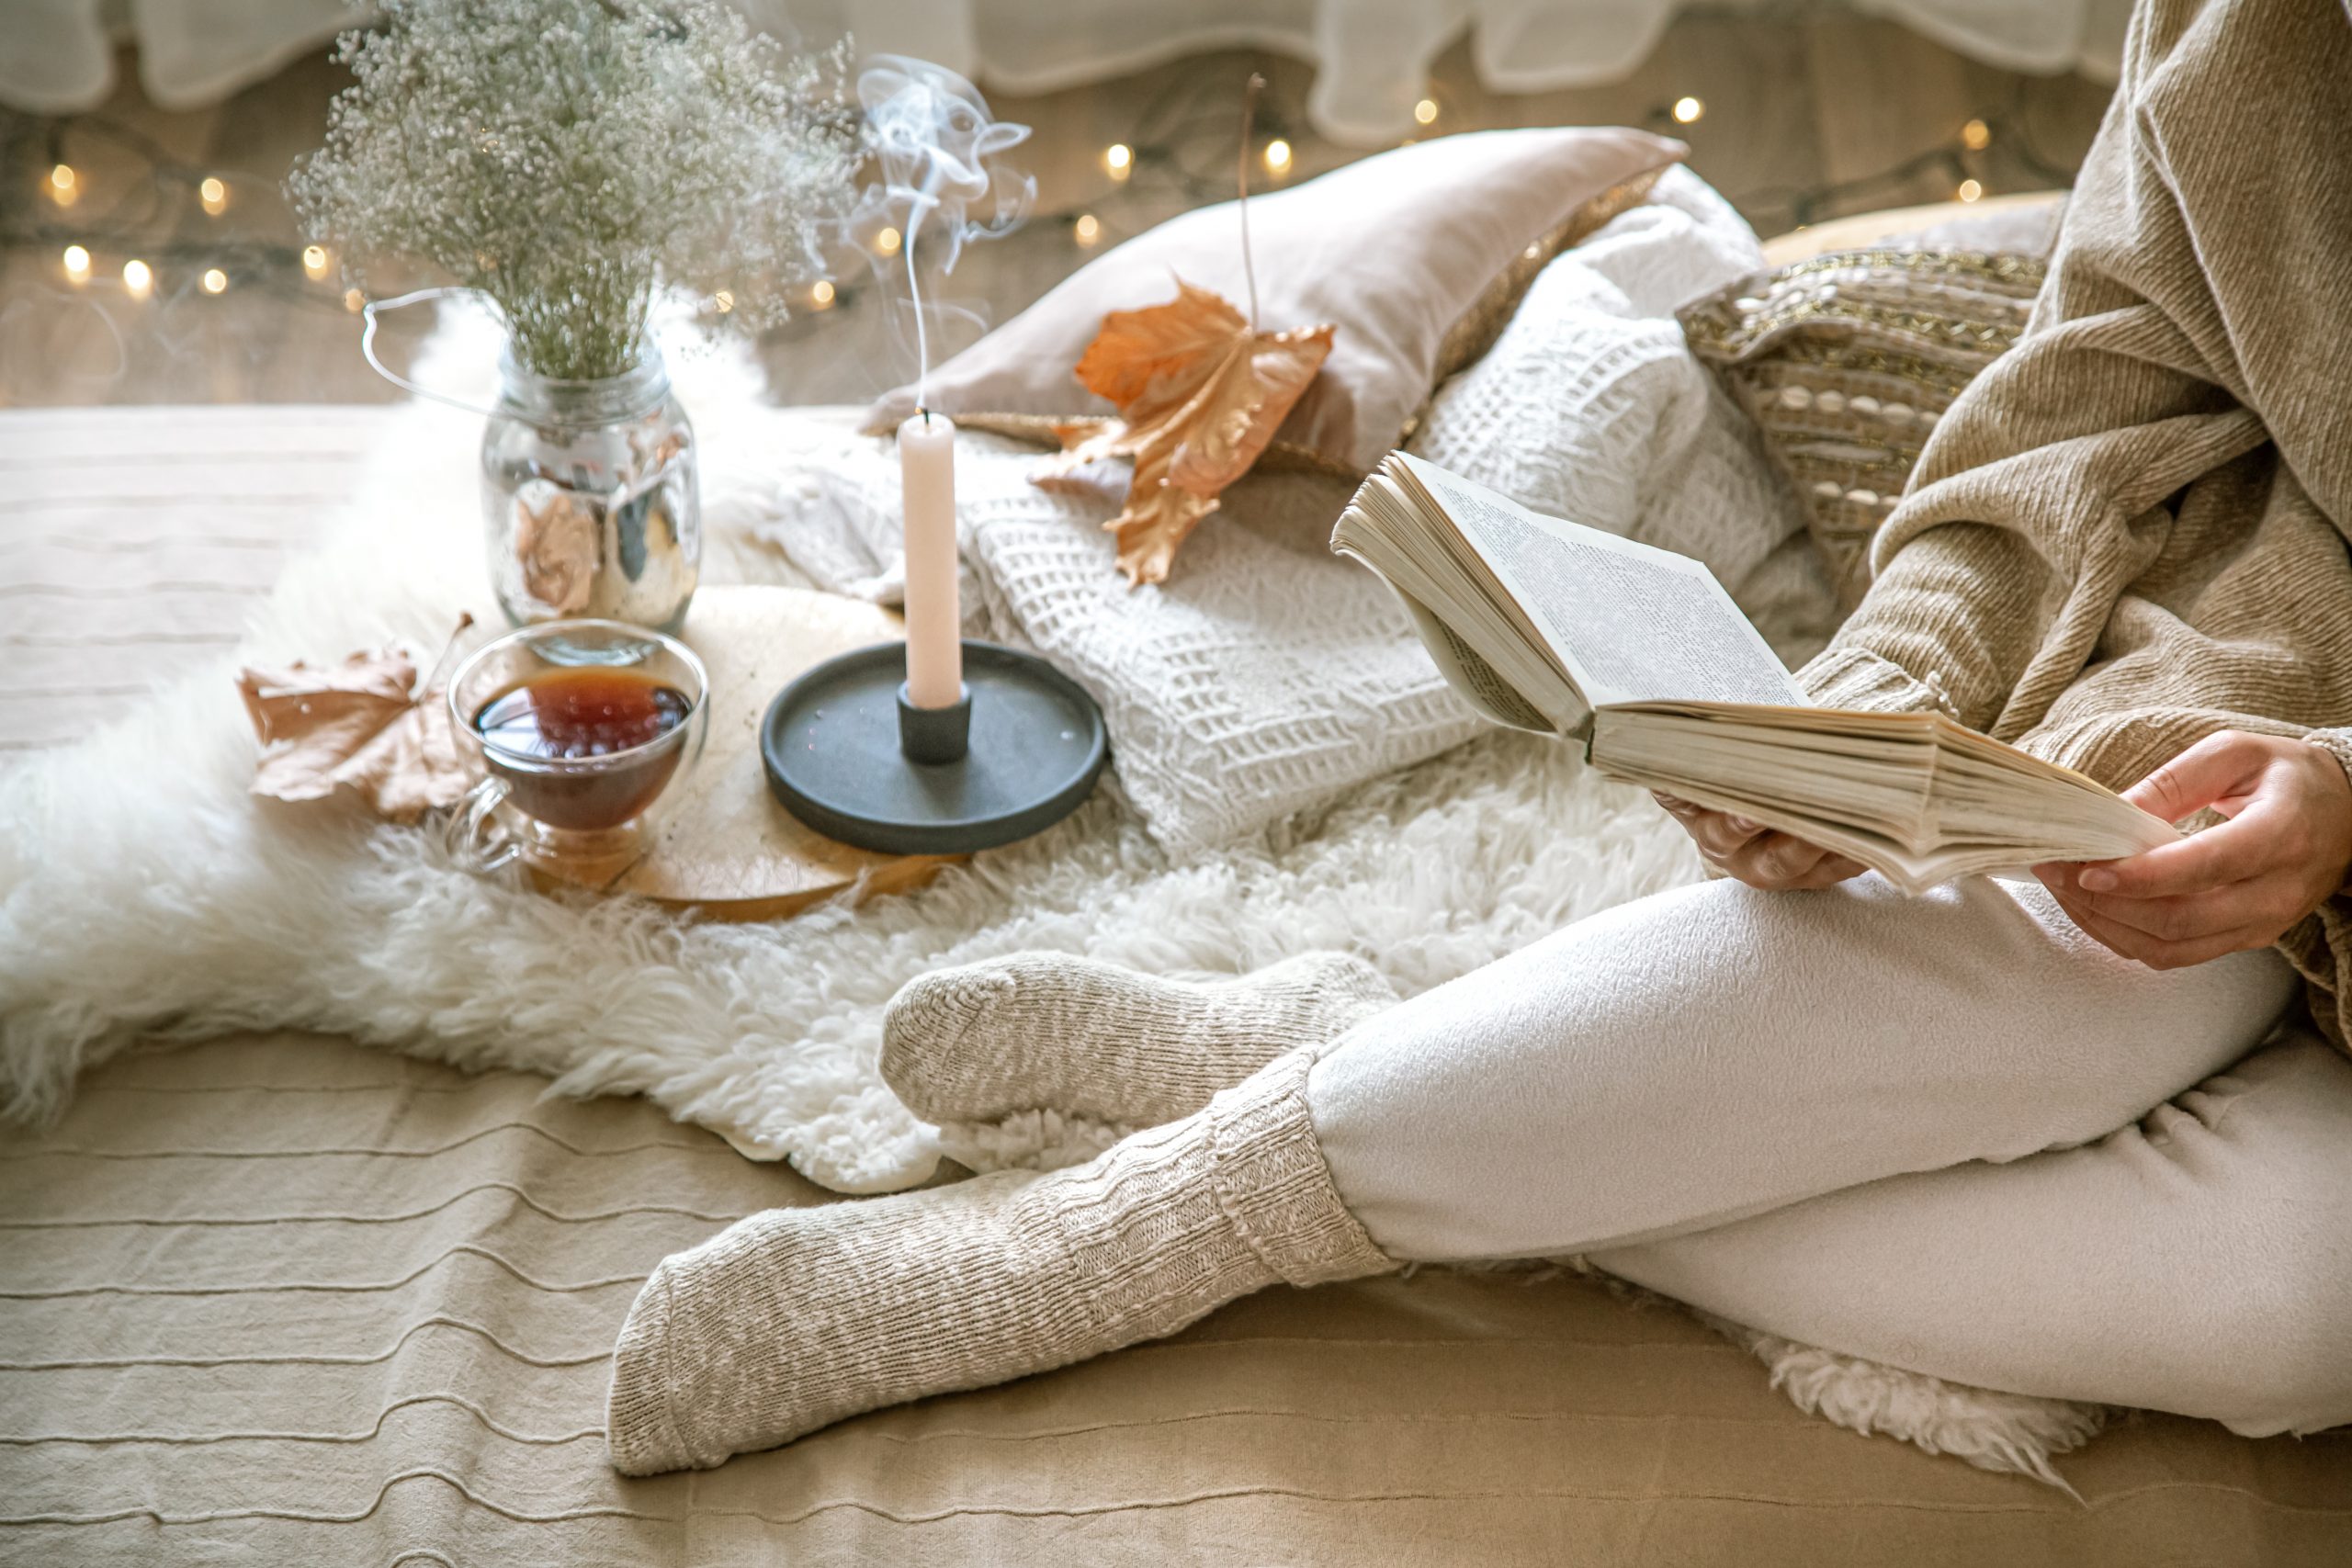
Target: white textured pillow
{"x": 1590, "y": 407}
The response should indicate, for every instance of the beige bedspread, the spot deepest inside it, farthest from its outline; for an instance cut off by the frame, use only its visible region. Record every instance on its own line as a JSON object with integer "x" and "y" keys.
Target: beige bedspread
{"x": 282, "y": 1300}
{"x": 137, "y": 539}
{"x": 285, "y": 1301}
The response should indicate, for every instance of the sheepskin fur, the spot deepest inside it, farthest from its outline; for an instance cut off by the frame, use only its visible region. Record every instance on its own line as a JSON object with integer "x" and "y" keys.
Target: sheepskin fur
{"x": 144, "y": 892}
{"x": 178, "y": 905}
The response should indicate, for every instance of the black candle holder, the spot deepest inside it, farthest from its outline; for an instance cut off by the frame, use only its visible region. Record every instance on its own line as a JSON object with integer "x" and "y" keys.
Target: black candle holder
{"x": 935, "y": 735}
{"x": 848, "y": 754}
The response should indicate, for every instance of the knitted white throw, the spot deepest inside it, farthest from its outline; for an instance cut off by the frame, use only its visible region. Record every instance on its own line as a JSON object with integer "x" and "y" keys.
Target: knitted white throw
{"x": 142, "y": 890}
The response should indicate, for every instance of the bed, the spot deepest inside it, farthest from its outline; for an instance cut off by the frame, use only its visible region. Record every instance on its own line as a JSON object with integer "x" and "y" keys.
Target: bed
{"x": 279, "y": 1299}
{"x": 285, "y": 1299}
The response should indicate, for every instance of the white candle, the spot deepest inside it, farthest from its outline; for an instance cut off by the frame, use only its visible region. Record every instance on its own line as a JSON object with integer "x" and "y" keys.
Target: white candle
{"x": 934, "y": 625}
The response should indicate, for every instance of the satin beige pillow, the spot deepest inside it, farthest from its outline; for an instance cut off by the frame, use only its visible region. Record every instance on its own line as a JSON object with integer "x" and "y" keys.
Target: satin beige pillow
{"x": 1417, "y": 255}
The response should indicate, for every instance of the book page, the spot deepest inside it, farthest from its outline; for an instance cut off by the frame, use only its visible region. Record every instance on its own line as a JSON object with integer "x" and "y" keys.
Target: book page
{"x": 1477, "y": 635}
{"x": 1628, "y": 622}
{"x": 1467, "y": 671}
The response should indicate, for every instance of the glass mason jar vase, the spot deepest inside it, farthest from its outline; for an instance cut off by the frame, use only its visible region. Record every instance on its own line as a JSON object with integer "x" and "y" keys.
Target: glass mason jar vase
{"x": 589, "y": 491}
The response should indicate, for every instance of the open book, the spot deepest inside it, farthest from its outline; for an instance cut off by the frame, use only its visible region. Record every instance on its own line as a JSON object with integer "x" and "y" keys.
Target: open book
{"x": 1637, "y": 651}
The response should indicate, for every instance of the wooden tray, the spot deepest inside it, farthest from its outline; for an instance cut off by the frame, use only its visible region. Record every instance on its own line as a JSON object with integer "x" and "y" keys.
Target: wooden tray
{"x": 722, "y": 845}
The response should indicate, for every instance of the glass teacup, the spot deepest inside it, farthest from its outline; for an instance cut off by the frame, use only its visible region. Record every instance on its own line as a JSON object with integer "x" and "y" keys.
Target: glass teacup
{"x": 580, "y": 726}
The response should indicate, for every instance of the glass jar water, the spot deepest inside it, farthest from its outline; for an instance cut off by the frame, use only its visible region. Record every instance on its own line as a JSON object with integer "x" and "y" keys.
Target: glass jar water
{"x": 589, "y": 491}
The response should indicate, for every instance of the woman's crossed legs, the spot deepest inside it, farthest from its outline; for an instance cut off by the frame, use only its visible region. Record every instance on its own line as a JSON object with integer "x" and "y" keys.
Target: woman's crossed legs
{"x": 1950, "y": 1134}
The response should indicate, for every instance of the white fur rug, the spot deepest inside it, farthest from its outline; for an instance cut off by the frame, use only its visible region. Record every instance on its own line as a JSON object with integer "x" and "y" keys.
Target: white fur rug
{"x": 147, "y": 892}
{"x": 144, "y": 892}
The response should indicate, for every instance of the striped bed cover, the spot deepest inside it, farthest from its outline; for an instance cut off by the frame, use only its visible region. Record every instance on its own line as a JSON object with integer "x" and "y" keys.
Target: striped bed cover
{"x": 278, "y": 1299}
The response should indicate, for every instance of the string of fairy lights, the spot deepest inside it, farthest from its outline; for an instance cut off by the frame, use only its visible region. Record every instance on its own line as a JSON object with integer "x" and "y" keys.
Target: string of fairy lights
{"x": 107, "y": 232}
{"x": 113, "y": 230}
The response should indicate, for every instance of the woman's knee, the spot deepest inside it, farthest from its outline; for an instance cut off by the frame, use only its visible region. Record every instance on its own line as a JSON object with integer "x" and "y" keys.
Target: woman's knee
{"x": 2281, "y": 1361}
{"x": 2292, "y": 1302}
{"x": 2261, "y": 1305}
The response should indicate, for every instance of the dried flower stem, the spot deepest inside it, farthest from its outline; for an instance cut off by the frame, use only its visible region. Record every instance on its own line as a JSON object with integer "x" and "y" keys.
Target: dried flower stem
{"x": 1241, "y": 175}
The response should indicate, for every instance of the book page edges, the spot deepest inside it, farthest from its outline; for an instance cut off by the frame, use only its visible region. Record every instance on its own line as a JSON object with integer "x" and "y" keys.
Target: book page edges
{"x": 1476, "y": 681}
{"x": 1947, "y": 731}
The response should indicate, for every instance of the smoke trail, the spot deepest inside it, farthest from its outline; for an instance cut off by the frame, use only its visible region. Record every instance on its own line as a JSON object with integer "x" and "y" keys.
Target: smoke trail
{"x": 930, "y": 134}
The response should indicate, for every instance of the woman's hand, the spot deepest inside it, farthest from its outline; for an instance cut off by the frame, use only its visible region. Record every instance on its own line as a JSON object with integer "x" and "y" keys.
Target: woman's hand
{"x": 1777, "y": 863}
{"x": 2285, "y": 849}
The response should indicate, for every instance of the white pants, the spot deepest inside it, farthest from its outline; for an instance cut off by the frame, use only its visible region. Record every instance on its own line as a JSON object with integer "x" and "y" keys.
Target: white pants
{"x": 1950, "y": 1134}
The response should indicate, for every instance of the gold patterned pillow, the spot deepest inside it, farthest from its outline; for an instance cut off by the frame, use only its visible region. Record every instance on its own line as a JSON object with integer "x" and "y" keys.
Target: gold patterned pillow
{"x": 1846, "y": 360}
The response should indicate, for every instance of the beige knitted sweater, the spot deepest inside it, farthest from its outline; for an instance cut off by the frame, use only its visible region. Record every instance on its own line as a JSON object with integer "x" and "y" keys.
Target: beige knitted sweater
{"x": 2131, "y": 531}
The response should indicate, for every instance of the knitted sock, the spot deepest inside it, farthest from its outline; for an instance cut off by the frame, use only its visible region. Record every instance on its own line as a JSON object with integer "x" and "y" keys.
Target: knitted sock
{"x": 1049, "y": 1031}
{"x": 794, "y": 1318}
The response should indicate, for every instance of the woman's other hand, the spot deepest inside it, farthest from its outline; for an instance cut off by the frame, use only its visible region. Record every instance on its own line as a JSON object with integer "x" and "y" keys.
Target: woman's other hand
{"x": 2285, "y": 849}
{"x": 1777, "y": 863}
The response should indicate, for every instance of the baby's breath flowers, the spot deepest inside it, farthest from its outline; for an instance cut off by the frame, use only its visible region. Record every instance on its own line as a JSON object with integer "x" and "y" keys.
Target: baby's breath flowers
{"x": 571, "y": 159}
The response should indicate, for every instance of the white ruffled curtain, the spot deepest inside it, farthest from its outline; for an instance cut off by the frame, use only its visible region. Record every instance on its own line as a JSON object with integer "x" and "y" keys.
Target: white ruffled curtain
{"x": 57, "y": 56}
{"x": 1372, "y": 56}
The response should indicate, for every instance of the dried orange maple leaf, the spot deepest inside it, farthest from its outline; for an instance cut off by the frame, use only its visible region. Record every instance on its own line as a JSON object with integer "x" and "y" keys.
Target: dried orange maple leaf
{"x": 358, "y": 726}
{"x": 1199, "y": 396}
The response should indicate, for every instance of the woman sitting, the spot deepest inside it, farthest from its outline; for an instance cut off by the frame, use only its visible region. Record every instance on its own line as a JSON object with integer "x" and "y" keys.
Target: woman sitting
{"x": 2090, "y": 1139}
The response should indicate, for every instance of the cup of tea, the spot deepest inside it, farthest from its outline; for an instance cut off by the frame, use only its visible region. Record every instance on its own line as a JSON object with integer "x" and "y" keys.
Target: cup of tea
{"x": 580, "y": 726}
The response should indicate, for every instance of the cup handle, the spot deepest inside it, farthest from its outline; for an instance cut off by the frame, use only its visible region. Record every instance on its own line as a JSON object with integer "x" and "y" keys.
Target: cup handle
{"x": 474, "y": 835}
{"x": 694, "y": 742}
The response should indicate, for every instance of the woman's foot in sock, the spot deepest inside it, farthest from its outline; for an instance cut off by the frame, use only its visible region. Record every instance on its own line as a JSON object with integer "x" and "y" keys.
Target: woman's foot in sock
{"x": 1047, "y": 1030}
{"x": 795, "y": 1318}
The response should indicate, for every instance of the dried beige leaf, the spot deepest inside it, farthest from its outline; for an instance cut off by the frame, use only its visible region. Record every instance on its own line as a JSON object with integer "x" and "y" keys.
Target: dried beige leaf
{"x": 1199, "y": 396}
{"x": 359, "y": 726}
{"x": 556, "y": 546}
